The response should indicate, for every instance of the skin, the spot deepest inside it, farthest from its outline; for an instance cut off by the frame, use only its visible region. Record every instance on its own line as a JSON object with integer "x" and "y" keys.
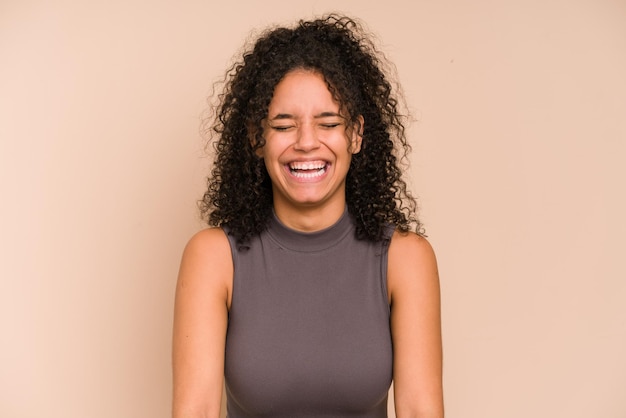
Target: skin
{"x": 311, "y": 135}
{"x": 414, "y": 298}
{"x": 308, "y": 133}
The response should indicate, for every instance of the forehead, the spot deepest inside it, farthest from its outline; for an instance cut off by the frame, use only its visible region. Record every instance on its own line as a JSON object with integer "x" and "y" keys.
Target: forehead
{"x": 303, "y": 90}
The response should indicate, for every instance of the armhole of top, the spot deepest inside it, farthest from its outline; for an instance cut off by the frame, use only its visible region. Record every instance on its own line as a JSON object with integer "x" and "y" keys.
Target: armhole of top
{"x": 384, "y": 263}
{"x": 232, "y": 242}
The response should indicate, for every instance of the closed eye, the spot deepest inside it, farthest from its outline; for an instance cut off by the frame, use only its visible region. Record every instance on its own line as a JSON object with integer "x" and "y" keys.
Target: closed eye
{"x": 330, "y": 125}
{"x": 281, "y": 128}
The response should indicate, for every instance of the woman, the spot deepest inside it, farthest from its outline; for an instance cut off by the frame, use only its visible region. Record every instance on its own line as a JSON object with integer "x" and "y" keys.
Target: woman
{"x": 311, "y": 292}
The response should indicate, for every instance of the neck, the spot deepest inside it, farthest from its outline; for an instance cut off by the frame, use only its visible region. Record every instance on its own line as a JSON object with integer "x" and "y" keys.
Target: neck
{"x": 310, "y": 219}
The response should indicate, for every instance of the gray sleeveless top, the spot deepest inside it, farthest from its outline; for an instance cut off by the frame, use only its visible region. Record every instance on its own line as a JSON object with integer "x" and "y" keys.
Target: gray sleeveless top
{"x": 308, "y": 329}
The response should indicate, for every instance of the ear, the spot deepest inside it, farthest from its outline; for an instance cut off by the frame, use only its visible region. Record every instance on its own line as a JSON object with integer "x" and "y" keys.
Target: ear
{"x": 252, "y": 133}
{"x": 356, "y": 135}
{"x": 260, "y": 152}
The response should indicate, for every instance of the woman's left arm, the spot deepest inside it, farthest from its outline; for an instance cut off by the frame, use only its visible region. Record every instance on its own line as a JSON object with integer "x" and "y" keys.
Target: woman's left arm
{"x": 413, "y": 284}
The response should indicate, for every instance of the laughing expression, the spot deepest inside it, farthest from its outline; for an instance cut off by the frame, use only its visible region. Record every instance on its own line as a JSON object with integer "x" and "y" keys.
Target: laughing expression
{"x": 308, "y": 146}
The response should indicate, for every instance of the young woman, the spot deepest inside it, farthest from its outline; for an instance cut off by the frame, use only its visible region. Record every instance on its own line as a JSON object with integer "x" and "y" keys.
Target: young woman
{"x": 310, "y": 293}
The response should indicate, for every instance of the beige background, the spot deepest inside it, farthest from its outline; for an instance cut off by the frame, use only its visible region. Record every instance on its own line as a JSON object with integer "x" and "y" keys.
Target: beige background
{"x": 518, "y": 161}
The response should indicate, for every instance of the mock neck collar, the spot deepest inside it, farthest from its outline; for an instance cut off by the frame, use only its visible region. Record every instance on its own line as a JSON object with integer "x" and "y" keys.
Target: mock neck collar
{"x": 310, "y": 241}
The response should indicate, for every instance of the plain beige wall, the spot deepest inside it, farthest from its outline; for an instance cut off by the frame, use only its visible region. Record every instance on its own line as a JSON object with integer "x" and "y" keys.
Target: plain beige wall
{"x": 518, "y": 161}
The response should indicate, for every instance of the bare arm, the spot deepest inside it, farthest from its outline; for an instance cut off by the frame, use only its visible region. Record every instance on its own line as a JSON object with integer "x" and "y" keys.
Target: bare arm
{"x": 200, "y": 321}
{"x": 413, "y": 284}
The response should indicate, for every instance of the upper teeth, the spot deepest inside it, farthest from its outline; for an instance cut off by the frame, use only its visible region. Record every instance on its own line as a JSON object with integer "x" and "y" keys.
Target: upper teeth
{"x": 307, "y": 166}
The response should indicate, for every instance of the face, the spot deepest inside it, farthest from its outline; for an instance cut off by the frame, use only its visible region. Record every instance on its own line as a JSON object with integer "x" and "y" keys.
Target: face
{"x": 308, "y": 145}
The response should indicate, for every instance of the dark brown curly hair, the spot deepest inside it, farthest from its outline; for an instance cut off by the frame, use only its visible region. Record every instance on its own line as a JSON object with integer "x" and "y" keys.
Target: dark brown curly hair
{"x": 239, "y": 193}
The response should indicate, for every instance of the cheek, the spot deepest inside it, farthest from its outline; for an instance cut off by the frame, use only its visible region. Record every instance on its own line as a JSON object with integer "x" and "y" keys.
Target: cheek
{"x": 270, "y": 160}
{"x": 273, "y": 149}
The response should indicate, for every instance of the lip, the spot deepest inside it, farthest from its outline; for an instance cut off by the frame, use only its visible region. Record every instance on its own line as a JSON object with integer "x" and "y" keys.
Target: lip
{"x": 304, "y": 164}
{"x": 307, "y": 171}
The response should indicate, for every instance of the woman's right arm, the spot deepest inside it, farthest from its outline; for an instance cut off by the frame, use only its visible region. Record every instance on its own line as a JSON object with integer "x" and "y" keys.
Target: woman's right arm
{"x": 200, "y": 322}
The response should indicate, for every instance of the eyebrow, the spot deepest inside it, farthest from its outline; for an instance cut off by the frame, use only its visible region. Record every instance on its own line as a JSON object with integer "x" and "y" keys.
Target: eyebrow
{"x": 318, "y": 116}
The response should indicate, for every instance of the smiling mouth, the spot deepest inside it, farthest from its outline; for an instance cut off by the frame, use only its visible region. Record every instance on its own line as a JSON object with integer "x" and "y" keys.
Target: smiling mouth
{"x": 308, "y": 170}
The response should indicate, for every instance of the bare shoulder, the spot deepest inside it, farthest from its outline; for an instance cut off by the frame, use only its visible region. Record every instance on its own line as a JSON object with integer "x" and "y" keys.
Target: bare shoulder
{"x": 209, "y": 239}
{"x": 410, "y": 248}
{"x": 412, "y": 243}
{"x": 413, "y": 284}
{"x": 200, "y": 323}
{"x": 412, "y": 262}
{"x": 207, "y": 261}
{"x": 209, "y": 246}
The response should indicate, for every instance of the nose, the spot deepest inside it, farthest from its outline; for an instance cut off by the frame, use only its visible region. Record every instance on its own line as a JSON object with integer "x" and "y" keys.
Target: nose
{"x": 307, "y": 139}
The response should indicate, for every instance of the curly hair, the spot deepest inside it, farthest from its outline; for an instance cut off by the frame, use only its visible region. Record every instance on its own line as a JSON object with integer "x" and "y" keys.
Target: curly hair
{"x": 239, "y": 193}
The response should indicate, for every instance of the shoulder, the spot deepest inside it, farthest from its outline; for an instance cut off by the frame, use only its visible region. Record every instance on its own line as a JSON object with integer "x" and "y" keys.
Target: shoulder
{"x": 207, "y": 261}
{"x": 207, "y": 242}
{"x": 410, "y": 244}
{"x": 414, "y": 298}
{"x": 209, "y": 247}
{"x": 412, "y": 262}
{"x": 201, "y": 322}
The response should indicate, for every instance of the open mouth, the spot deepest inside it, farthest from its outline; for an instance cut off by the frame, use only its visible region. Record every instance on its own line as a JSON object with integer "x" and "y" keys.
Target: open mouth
{"x": 308, "y": 170}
